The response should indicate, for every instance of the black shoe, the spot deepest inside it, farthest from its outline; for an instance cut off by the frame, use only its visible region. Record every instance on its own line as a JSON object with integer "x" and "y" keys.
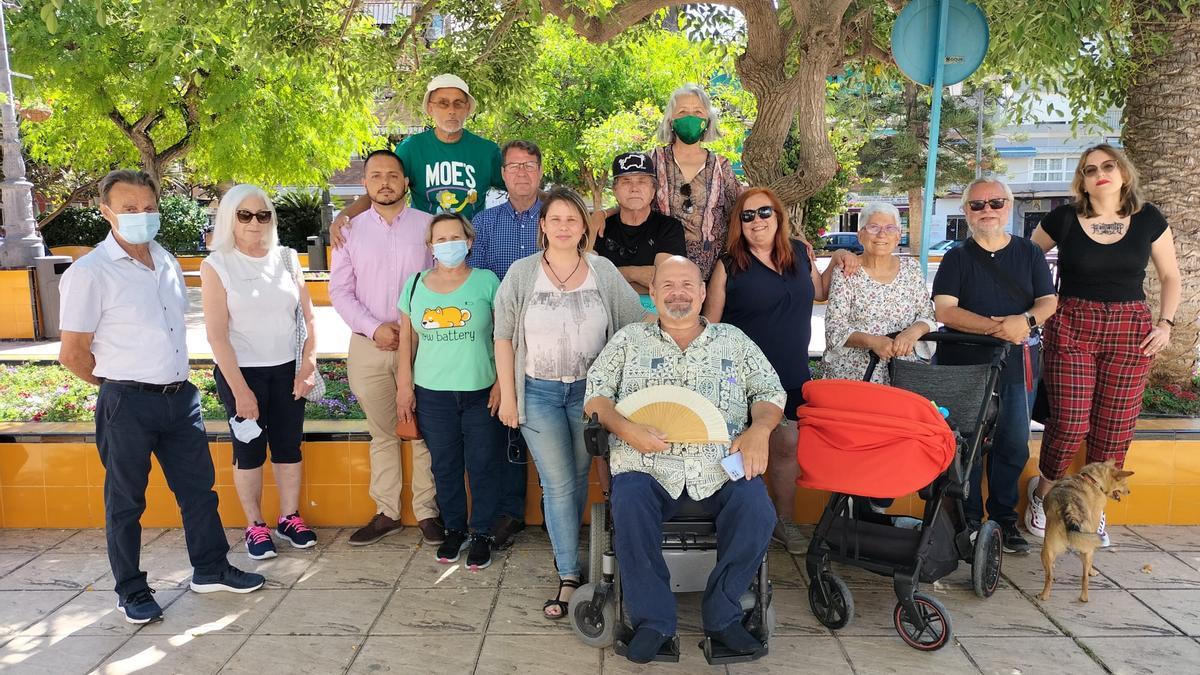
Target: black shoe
{"x": 736, "y": 638}
{"x": 140, "y": 607}
{"x": 505, "y": 529}
{"x": 479, "y": 555}
{"x": 645, "y": 645}
{"x": 1013, "y": 541}
{"x": 232, "y": 580}
{"x": 452, "y": 546}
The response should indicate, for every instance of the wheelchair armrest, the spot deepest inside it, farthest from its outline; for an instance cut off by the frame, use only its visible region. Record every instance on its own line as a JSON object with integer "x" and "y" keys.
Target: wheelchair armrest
{"x": 595, "y": 437}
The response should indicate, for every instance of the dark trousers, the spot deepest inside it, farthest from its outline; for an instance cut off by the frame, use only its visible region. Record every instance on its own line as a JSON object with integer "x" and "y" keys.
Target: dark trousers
{"x": 1005, "y": 460}
{"x": 130, "y": 425}
{"x": 514, "y": 478}
{"x": 461, "y": 433}
{"x": 745, "y": 518}
{"x": 280, "y": 415}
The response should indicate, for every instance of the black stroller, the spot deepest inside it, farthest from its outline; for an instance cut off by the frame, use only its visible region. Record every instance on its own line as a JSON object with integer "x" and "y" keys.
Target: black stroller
{"x": 852, "y": 532}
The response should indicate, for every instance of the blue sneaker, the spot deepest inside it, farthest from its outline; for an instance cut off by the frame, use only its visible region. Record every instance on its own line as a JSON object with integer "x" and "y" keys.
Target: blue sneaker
{"x": 258, "y": 542}
{"x": 293, "y": 529}
{"x": 140, "y": 607}
{"x": 231, "y": 579}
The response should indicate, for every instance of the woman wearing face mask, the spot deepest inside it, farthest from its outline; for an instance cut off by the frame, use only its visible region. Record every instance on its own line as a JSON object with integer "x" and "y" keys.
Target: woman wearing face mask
{"x": 446, "y": 317}
{"x": 251, "y": 288}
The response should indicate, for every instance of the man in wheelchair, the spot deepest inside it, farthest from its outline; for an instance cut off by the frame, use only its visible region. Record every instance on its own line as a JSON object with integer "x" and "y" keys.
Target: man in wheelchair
{"x": 652, "y": 477}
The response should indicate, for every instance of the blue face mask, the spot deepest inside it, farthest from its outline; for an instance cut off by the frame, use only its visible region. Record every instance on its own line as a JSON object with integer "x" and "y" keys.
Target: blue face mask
{"x": 138, "y": 228}
{"x": 451, "y": 253}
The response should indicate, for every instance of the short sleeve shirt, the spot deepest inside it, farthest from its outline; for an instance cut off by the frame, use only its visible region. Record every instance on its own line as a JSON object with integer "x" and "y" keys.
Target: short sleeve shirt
{"x": 450, "y": 177}
{"x": 637, "y": 245}
{"x": 1112, "y": 272}
{"x": 456, "y": 350}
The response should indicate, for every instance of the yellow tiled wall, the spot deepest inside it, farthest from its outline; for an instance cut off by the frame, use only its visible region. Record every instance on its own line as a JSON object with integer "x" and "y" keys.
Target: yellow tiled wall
{"x": 62, "y": 485}
{"x": 16, "y": 305}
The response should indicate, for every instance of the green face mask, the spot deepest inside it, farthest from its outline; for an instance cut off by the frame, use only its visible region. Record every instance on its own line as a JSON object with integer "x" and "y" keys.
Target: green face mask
{"x": 689, "y": 129}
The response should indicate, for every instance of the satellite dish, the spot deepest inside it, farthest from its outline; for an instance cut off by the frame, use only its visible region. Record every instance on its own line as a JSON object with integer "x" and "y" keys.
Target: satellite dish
{"x": 914, "y": 40}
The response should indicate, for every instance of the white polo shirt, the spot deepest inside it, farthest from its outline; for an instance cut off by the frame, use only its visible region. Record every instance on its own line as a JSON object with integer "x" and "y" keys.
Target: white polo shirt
{"x": 135, "y": 313}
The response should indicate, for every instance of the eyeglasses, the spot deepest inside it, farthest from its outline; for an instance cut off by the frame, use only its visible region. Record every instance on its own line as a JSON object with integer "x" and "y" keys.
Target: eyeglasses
{"x": 996, "y": 204}
{"x": 521, "y": 166}
{"x": 763, "y": 212}
{"x": 443, "y": 104}
{"x": 686, "y": 191}
{"x": 245, "y": 216}
{"x": 1107, "y": 167}
{"x": 876, "y": 229}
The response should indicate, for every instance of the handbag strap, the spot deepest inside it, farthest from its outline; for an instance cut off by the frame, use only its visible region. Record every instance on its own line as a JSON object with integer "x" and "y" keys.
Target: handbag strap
{"x": 999, "y": 273}
{"x": 413, "y": 291}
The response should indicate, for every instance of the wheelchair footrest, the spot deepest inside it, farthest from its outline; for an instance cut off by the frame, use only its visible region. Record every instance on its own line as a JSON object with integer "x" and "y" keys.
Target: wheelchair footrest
{"x": 718, "y": 654}
{"x": 668, "y": 654}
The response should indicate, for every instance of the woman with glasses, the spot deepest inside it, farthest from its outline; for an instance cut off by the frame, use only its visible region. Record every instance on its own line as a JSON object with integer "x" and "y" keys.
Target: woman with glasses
{"x": 251, "y": 289}
{"x": 765, "y": 285}
{"x": 886, "y": 295}
{"x": 555, "y": 311}
{"x": 451, "y": 385}
{"x": 1102, "y": 340}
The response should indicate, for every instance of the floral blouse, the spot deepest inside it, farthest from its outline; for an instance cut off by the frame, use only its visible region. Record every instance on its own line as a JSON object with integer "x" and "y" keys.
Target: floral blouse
{"x": 861, "y": 304}
{"x": 703, "y": 205}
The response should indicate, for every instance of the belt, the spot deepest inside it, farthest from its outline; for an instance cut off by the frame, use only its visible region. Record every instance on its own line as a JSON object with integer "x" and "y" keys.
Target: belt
{"x": 171, "y": 388}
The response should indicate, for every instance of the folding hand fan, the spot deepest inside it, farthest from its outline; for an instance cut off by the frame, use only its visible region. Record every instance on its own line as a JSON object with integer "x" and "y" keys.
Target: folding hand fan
{"x": 682, "y": 414}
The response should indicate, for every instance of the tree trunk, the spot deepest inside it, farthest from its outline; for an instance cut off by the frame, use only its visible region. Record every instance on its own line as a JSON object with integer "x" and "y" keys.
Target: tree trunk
{"x": 916, "y": 212}
{"x": 1162, "y": 136}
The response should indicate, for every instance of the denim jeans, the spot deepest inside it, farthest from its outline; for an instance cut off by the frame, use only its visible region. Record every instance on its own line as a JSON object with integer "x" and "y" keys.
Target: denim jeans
{"x": 514, "y": 479}
{"x": 130, "y": 425}
{"x": 554, "y": 431}
{"x": 744, "y": 518}
{"x": 460, "y": 431}
{"x": 1005, "y": 459}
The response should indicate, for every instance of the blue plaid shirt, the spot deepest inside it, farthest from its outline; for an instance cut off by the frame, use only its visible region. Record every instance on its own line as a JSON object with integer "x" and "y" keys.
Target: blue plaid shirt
{"x": 503, "y": 236}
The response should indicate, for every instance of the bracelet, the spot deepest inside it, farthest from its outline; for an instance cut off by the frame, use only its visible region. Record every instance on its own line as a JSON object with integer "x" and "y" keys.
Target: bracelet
{"x": 1167, "y": 321}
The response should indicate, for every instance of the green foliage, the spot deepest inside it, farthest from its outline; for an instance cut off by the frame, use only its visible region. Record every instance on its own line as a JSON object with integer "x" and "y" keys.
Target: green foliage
{"x": 1173, "y": 399}
{"x": 76, "y": 227}
{"x": 830, "y": 201}
{"x": 183, "y": 219}
{"x": 299, "y": 213}
{"x": 262, "y": 92}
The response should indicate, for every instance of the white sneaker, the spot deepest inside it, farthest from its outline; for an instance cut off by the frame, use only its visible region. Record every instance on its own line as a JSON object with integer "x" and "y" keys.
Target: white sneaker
{"x": 1035, "y": 513}
{"x": 1105, "y": 542}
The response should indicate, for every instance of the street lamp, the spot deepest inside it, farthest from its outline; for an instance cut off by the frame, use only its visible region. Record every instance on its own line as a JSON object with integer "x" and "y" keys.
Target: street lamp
{"x": 22, "y": 242}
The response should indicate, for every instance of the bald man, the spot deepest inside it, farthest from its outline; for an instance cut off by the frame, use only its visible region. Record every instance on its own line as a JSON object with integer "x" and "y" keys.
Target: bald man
{"x": 652, "y": 476}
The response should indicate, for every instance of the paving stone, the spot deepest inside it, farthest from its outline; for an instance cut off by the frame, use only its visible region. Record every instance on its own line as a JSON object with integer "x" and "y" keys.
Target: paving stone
{"x": 793, "y": 616}
{"x": 424, "y": 571}
{"x": 57, "y": 571}
{"x": 879, "y": 657}
{"x": 536, "y": 655}
{"x": 354, "y": 569}
{"x": 789, "y": 655}
{"x": 519, "y": 612}
{"x": 168, "y": 655}
{"x": 527, "y": 568}
{"x": 342, "y": 612}
{"x": 172, "y": 540}
{"x": 1147, "y": 655}
{"x": 19, "y": 609}
{"x": 535, "y": 538}
{"x": 295, "y": 655}
{"x": 95, "y": 541}
{"x": 785, "y": 570}
{"x": 1027, "y": 574}
{"x": 1107, "y": 613}
{"x": 1007, "y": 612}
{"x": 417, "y": 654}
{"x": 32, "y": 655}
{"x": 1145, "y": 569}
{"x": 164, "y": 568}
{"x": 408, "y": 538}
{"x": 11, "y": 561}
{"x": 1125, "y": 538}
{"x": 425, "y": 611}
{"x": 13, "y": 540}
{"x": 1016, "y": 655}
{"x": 1179, "y": 607}
{"x": 93, "y": 613}
{"x": 1170, "y": 537}
{"x": 224, "y": 613}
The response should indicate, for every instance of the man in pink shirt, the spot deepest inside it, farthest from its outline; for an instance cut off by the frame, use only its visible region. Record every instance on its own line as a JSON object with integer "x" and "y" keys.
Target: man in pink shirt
{"x": 385, "y": 246}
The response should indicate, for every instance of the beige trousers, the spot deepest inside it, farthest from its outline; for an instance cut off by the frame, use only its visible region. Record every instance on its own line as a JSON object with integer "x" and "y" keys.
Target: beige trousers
{"x": 372, "y": 374}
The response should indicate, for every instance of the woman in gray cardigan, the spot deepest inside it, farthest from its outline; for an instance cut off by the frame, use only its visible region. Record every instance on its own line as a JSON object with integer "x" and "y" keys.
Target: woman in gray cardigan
{"x": 555, "y": 311}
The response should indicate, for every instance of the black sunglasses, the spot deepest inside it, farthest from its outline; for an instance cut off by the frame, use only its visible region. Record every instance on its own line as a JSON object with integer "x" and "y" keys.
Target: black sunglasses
{"x": 515, "y": 448}
{"x": 245, "y": 216}
{"x": 763, "y": 212}
{"x": 996, "y": 204}
{"x": 686, "y": 191}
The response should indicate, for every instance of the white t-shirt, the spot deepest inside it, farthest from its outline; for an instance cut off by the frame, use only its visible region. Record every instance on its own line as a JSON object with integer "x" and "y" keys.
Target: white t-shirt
{"x": 564, "y": 330}
{"x": 134, "y": 313}
{"x": 262, "y": 298}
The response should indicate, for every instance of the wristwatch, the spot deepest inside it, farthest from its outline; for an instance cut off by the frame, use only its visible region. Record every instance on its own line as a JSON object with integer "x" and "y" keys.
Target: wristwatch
{"x": 1029, "y": 317}
{"x": 1167, "y": 321}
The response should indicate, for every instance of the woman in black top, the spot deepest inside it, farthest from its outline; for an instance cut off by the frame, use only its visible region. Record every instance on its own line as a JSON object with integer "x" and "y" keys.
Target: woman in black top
{"x": 765, "y": 285}
{"x": 1100, "y": 343}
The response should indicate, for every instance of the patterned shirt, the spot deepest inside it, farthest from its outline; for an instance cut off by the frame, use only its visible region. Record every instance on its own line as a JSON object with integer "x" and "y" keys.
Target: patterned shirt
{"x": 721, "y": 364}
{"x": 503, "y": 236}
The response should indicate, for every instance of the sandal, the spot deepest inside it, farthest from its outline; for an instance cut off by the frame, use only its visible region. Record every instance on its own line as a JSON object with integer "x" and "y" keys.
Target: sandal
{"x": 562, "y": 605}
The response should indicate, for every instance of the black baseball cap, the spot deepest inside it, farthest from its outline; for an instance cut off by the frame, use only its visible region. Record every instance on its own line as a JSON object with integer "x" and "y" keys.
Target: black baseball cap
{"x": 632, "y": 164}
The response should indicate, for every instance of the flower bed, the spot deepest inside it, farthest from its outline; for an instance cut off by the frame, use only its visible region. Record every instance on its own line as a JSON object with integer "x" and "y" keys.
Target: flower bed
{"x": 50, "y": 393}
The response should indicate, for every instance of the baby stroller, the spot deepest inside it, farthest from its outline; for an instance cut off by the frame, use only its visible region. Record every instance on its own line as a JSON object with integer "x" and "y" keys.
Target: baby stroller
{"x": 862, "y": 440}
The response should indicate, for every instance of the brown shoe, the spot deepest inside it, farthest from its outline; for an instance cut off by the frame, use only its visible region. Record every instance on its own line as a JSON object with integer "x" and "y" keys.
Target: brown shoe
{"x": 379, "y": 527}
{"x": 505, "y": 528}
{"x": 432, "y": 530}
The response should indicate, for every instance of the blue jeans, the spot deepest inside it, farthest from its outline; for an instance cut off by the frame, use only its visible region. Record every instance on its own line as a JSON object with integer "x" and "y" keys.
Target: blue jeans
{"x": 460, "y": 432}
{"x": 744, "y": 517}
{"x": 130, "y": 425}
{"x": 1005, "y": 459}
{"x": 554, "y": 431}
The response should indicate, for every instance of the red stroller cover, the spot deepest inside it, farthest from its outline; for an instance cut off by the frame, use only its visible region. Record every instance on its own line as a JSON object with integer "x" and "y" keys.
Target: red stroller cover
{"x": 868, "y": 439}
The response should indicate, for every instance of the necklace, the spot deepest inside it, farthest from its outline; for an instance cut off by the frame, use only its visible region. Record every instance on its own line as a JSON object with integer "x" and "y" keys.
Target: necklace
{"x": 562, "y": 283}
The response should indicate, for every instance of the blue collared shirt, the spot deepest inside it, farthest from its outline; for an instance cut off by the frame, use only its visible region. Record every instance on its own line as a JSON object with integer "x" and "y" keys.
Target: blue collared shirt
{"x": 504, "y": 236}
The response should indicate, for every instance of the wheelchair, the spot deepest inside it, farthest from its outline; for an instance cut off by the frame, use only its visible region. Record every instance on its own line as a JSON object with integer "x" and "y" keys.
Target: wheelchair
{"x": 690, "y": 550}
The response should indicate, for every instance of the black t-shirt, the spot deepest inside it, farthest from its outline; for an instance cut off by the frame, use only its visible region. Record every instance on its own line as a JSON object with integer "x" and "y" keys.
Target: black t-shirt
{"x": 1113, "y": 272}
{"x": 636, "y": 245}
{"x": 962, "y": 276}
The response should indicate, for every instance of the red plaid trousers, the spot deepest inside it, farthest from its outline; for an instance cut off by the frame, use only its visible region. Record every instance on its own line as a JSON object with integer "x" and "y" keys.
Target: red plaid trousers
{"x": 1094, "y": 372}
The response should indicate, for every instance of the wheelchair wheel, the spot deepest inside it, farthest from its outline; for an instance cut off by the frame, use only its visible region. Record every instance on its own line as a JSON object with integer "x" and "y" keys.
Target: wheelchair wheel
{"x": 830, "y": 600}
{"x": 595, "y": 625}
{"x": 989, "y": 554}
{"x": 597, "y": 541}
{"x": 937, "y": 630}
{"x": 769, "y": 620}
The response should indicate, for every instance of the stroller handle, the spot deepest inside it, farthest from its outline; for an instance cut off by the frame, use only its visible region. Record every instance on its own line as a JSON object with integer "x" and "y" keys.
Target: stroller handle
{"x": 1001, "y": 346}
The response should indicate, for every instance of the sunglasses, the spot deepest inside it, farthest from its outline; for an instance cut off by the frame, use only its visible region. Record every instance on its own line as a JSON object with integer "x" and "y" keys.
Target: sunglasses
{"x": 245, "y": 216}
{"x": 763, "y": 212}
{"x": 876, "y": 229}
{"x": 979, "y": 204}
{"x": 686, "y": 191}
{"x": 1107, "y": 167}
{"x": 515, "y": 449}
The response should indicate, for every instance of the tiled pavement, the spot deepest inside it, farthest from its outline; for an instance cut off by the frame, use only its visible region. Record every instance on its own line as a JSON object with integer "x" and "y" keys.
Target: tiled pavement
{"x": 391, "y": 608}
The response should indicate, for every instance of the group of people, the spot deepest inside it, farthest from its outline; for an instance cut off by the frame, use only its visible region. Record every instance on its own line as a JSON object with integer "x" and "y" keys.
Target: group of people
{"x": 496, "y": 329}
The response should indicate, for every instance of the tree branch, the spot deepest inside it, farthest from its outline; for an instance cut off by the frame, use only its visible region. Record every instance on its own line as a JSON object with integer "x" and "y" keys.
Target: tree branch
{"x": 75, "y": 194}
{"x": 417, "y": 17}
{"x": 512, "y": 14}
{"x": 351, "y": 10}
{"x": 624, "y": 14}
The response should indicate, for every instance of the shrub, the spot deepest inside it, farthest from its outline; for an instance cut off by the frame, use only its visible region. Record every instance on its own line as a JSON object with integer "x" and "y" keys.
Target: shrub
{"x": 76, "y": 227}
{"x": 299, "y": 213}
{"x": 183, "y": 221}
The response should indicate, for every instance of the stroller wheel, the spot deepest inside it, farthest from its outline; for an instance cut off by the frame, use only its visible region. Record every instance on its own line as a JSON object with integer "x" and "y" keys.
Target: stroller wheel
{"x": 831, "y": 601}
{"x": 989, "y": 554}
{"x": 937, "y": 627}
{"x": 594, "y": 624}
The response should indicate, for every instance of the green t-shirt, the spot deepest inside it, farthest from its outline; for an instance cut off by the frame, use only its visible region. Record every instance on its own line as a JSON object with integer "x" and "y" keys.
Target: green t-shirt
{"x": 456, "y": 349}
{"x": 447, "y": 177}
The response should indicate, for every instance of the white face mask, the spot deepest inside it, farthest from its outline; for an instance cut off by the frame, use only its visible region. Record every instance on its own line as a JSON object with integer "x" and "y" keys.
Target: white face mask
{"x": 138, "y": 228}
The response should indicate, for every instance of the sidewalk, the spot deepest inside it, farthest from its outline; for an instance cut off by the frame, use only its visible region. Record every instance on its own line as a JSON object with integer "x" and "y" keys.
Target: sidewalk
{"x": 391, "y": 608}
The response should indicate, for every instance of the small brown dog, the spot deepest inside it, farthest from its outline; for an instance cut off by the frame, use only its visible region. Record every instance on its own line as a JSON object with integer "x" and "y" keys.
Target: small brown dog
{"x": 1073, "y": 507}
